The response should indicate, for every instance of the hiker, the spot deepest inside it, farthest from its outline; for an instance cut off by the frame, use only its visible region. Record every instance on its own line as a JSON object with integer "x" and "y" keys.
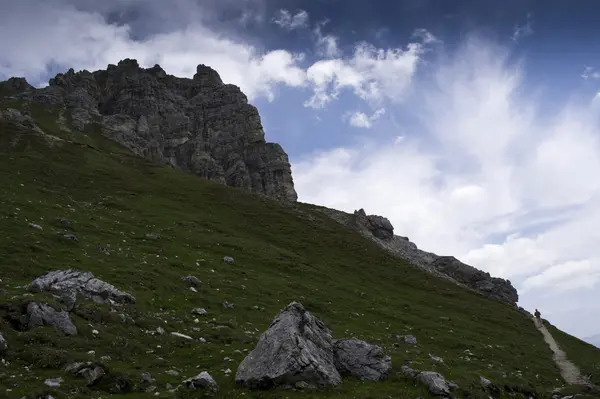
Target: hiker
{"x": 538, "y": 317}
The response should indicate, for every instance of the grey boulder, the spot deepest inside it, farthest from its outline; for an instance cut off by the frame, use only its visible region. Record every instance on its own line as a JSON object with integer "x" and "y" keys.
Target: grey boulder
{"x": 84, "y": 283}
{"x": 41, "y": 314}
{"x": 202, "y": 381}
{"x": 435, "y": 383}
{"x": 361, "y": 359}
{"x": 296, "y": 348}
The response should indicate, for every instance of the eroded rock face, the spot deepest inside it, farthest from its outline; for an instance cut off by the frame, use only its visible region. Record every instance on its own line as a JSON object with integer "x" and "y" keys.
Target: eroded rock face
{"x": 71, "y": 282}
{"x": 361, "y": 359}
{"x": 493, "y": 287}
{"x": 297, "y": 348}
{"x": 199, "y": 125}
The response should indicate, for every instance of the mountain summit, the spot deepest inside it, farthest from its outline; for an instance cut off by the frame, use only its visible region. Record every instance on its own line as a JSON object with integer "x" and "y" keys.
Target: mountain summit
{"x": 199, "y": 125}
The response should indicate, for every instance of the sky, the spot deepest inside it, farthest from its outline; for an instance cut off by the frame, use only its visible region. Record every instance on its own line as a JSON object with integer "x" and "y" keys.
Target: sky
{"x": 473, "y": 125}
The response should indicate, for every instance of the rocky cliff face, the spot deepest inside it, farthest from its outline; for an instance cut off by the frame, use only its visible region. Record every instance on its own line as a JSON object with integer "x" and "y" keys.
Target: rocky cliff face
{"x": 380, "y": 230}
{"x": 200, "y": 125}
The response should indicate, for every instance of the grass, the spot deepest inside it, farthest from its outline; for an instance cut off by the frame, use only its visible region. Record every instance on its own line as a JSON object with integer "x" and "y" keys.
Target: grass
{"x": 281, "y": 255}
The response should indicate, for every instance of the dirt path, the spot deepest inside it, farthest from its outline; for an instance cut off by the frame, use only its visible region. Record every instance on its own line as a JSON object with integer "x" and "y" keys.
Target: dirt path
{"x": 570, "y": 373}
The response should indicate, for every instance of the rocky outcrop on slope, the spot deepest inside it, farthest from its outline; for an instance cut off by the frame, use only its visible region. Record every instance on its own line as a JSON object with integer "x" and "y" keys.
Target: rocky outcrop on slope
{"x": 200, "y": 125}
{"x": 297, "y": 351}
{"x": 380, "y": 230}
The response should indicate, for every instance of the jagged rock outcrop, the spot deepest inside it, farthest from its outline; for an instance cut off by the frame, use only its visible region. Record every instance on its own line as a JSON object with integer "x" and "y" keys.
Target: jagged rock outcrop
{"x": 380, "y": 230}
{"x": 296, "y": 349}
{"x": 42, "y": 314}
{"x": 200, "y": 125}
{"x": 70, "y": 283}
{"x": 361, "y": 359}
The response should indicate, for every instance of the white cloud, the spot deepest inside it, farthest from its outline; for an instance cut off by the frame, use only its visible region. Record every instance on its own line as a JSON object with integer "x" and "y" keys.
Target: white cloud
{"x": 566, "y": 276}
{"x": 482, "y": 174}
{"x": 290, "y": 22}
{"x": 373, "y": 74}
{"x": 80, "y": 39}
{"x": 425, "y": 36}
{"x": 360, "y": 119}
{"x": 326, "y": 45}
{"x": 522, "y": 30}
{"x": 590, "y": 73}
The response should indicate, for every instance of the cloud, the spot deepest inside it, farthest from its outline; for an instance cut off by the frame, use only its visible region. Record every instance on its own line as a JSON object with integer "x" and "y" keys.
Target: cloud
{"x": 590, "y": 73}
{"x": 290, "y": 22}
{"x": 522, "y": 30}
{"x": 481, "y": 173}
{"x": 326, "y": 45}
{"x": 65, "y": 35}
{"x": 372, "y": 73}
{"x": 360, "y": 119}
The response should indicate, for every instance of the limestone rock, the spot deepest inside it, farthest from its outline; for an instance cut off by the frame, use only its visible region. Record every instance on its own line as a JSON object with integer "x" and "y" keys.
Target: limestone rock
{"x": 435, "y": 383}
{"x": 40, "y": 314}
{"x": 202, "y": 381}
{"x": 361, "y": 359}
{"x": 492, "y": 287}
{"x": 297, "y": 347}
{"x": 199, "y": 125}
{"x": 84, "y": 283}
{"x": 381, "y": 231}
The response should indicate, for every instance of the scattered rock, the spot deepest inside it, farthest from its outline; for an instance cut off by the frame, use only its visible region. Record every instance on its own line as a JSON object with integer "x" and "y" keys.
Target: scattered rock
{"x": 410, "y": 339}
{"x": 68, "y": 237}
{"x": 160, "y": 330}
{"x": 92, "y": 374}
{"x": 361, "y": 359}
{"x": 66, "y": 223}
{"x": 435, "y": 383}
{"x": 200, "y": 311}
{"x": 193, "y": 280}
{"x": 228, "y": 305}
{"x": 436, "y": 359}
{"x": 84, "y": 283}
{"x": 40, "y": 314}
{"x": 53, "y": 382}
{"x": 296, "y": 347}
{"x": 176, "y": 334}
{"x": 228, "y": 259}
{"x": 35, "y": 226}
{"x": 202, "y": 381}
{"x": 3, "y": 344}
{"x": 172, "y": 372}
{"x": 146, "y": 377}
{"x": 409, "y": 371}
{"x": 152, "y": 236}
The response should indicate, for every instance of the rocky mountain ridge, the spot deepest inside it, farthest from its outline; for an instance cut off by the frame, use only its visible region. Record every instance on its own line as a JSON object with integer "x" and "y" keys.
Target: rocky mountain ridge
{"x": 380, "y": 230}
{"x": 206, "y": 127}
{"x": 199, "y": 125}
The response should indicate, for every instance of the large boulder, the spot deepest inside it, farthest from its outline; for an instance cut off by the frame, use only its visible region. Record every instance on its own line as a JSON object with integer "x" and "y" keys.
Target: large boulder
{"x": 435, "y": 383}
{"x": 296, "y": 350}
{"x": 70, "y": 282}
{"x": 361, "y": 359}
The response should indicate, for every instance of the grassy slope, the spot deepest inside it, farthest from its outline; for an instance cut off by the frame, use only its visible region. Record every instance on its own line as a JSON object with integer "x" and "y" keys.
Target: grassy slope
{"x": 281, "y": 255}
{"x": 585, "y": 356}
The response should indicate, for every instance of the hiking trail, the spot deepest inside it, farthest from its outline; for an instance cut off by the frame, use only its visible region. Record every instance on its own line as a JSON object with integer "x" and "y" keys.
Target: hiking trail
{"x": 569, "y": 372}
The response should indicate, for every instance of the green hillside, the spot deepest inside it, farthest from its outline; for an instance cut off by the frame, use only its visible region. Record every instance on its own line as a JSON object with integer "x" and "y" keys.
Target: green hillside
{"x": 282, "y": 253}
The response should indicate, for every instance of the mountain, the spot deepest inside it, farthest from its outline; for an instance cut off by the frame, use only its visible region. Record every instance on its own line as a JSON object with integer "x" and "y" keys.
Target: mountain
{"x": 200, "y": 125}
{"x": 123, "y": 274}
